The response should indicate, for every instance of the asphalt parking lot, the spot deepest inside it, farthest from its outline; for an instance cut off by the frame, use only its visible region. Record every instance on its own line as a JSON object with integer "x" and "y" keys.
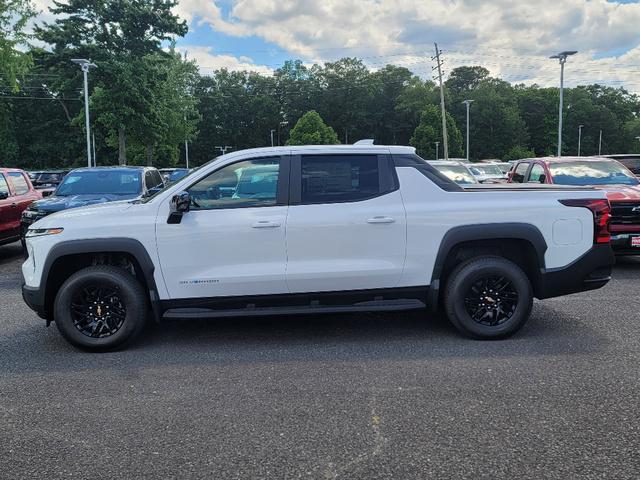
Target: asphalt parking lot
{"x": 354, "y": 397}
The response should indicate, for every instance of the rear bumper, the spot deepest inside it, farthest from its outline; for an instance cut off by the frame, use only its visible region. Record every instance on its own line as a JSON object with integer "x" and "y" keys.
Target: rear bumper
{"x": 589, "y": 272}
{"x": 621, "y": 244}
{"x": 34, "y": 298}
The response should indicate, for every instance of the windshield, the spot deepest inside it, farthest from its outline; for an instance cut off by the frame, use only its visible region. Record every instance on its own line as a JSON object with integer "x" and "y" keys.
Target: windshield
{"x": 491, "y": 170}
{"x": 591, "y": 173}
{"x": 632, "y": 163}
{"x": 114, "y": 182}
{"x": 457, "y": 173}
{"x": 49, "y": 177}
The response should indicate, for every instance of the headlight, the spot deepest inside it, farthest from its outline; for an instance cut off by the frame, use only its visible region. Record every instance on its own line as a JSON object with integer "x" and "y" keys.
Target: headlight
{"x": 39, "y": 232}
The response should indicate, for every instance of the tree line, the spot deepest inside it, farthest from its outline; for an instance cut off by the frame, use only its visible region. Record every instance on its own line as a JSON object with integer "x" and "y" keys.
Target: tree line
{"x": 146, "y": 99}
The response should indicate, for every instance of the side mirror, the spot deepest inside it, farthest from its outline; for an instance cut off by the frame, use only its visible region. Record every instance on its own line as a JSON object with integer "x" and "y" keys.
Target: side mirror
{"x": 178, "y": 206}
{"x": 543, "y": 178}
{"x": 4, "y": 195}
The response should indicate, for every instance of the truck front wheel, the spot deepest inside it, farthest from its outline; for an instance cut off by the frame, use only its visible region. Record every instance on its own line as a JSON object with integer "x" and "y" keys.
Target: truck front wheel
{"x": 488, "y": 297}
{"x": 100, "y": 308}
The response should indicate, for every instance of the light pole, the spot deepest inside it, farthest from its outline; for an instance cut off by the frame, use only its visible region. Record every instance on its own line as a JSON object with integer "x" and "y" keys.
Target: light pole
{"x": 437, "y": 144}
{"x": 562, "y": 58}
{"x": 579, "y": 137}
{"x": 224, "y": 149}
{"x": 467, "y": 103}
{"x": 284, "y": 123}
{"x": 272, "y": 130}
{"x": 86, "y": 65}
{"x": 600, "y": 143}
{"x": 638, "y": 138}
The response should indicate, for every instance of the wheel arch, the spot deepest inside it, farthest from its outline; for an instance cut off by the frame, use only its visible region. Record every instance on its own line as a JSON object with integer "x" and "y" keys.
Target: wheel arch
{"x": 68, "y": 257}
{"x": 522, "y": 243}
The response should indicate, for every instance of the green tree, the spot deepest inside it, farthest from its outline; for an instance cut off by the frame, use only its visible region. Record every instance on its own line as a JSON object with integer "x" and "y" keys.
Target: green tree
{"x": 311, "y": 130}
{"x": 14, "y": 15}
{"x": 429, "y": 131}
{"x": 118, "y": 35}
{"x": 518, "y": 152}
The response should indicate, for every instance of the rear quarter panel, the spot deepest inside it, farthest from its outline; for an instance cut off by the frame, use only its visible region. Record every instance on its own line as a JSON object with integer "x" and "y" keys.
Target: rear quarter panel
{"x": 432, "y": 212}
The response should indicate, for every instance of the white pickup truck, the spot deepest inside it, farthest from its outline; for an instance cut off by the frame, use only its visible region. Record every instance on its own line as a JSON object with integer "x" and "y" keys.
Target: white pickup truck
{"x": 297, "y": 230}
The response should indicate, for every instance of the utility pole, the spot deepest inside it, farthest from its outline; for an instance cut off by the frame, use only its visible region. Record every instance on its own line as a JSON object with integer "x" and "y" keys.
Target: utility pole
{"x": 579, "y": 137}
{"x": 467, "y": 103}
{"x": 272, "y": 131}
{"x": 437, "y": 145}
{"x": 86, "y": 65}
{"x": 95, "y": 161}
{"x": 445, "y": 138}
{"x": 224, "y": 149}
{"x": 600, "y": 144}
{"x": 562, "y": 58}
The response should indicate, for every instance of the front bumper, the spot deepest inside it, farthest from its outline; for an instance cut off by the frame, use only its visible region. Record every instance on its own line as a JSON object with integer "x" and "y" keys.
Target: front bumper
{"x": 589, "y": 272}
{"x": 34, "y": 298}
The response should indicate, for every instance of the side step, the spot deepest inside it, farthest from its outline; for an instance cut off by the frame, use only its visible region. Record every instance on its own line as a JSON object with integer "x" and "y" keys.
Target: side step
{"x": 250, "y": 311}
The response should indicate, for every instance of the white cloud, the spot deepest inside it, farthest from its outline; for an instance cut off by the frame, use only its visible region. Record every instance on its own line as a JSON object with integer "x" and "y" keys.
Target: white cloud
{"x": 512, "y": 38}
{"x": 209, "y": 61}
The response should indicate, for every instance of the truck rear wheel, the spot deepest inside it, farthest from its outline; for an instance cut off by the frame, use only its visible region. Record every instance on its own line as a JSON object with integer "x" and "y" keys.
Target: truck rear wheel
{"x": 100, "y": 308}
{"x": 488, "y": 297}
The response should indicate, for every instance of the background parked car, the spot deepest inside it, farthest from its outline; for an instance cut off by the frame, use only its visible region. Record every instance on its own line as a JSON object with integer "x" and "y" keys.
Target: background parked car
{"x": 487, "y": 172}
{"x": 456, "y": 171}
{"x": 89, "y": 186}
{"x": 177, "y": 174}
{"x": 629, "y": 160}
{"x": 619, "y": 183}
{"x": 47, "y": 181}
{"x": 16, "y": 194}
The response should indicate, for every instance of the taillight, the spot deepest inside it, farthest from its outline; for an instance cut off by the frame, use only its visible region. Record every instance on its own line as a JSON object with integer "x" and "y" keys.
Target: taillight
{"x": 601, "y": 216}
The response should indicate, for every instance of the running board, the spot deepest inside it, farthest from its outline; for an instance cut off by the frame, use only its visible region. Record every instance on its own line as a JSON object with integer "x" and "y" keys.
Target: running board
{"x": 249, "y": 311}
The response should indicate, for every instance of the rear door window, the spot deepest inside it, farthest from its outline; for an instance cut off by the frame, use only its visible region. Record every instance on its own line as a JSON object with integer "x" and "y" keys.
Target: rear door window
{"x": 520, "y": 172}
{"x": 339, "y": 178}
{"x": 20, "y": 184}
{"x": 4, "y": 188}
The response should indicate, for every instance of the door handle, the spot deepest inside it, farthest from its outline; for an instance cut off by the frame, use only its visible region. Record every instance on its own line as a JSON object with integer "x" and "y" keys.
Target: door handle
{"x": 265, "y": 224}
{"x": 381, "y": 219}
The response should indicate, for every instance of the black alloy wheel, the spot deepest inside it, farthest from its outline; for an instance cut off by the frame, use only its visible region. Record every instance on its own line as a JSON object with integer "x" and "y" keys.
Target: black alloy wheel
{"x": 97, "y": 311}
{"x": 491, "y": 300}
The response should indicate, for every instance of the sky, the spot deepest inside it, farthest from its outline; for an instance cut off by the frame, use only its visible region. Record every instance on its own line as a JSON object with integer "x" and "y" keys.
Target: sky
{"x": 512, "y": 38}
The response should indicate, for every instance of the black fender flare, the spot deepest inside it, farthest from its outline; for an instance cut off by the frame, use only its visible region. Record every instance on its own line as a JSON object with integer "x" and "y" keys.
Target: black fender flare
{"x": 105, "y": 245}
{"x": 486, "y": 231}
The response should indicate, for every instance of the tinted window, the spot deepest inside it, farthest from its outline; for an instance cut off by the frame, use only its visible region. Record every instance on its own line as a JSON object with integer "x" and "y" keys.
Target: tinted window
{"x": 591, "y": 173}
{"x": 519, "y": 173}
{"x": 19, "y": 183}
{"x": 339, "y": 178}
{"x": 251, "y": 183}
{"x": 152, "y": 179}
{"x": 536, "y": 173}
{"x": 632, "y": 163}
{"x": 114, "y": 182}
{"x": 3, "y": 185}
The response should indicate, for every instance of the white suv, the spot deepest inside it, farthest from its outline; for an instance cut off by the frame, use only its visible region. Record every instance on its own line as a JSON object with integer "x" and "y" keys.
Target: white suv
{"x": 315, "y": 229}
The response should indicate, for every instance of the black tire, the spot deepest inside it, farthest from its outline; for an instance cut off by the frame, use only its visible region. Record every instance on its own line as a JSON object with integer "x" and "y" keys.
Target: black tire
{"x": 116, "y": 316}
{"x": 498, "y": 313}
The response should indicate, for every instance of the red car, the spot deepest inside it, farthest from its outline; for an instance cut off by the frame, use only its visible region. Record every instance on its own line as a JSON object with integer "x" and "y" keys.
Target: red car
{"x": 620, "y": 184}
{"x": 16, "y": 194}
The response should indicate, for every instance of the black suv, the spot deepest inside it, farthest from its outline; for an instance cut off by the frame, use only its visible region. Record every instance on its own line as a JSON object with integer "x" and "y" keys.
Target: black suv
{"x": 89, "y": 186}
